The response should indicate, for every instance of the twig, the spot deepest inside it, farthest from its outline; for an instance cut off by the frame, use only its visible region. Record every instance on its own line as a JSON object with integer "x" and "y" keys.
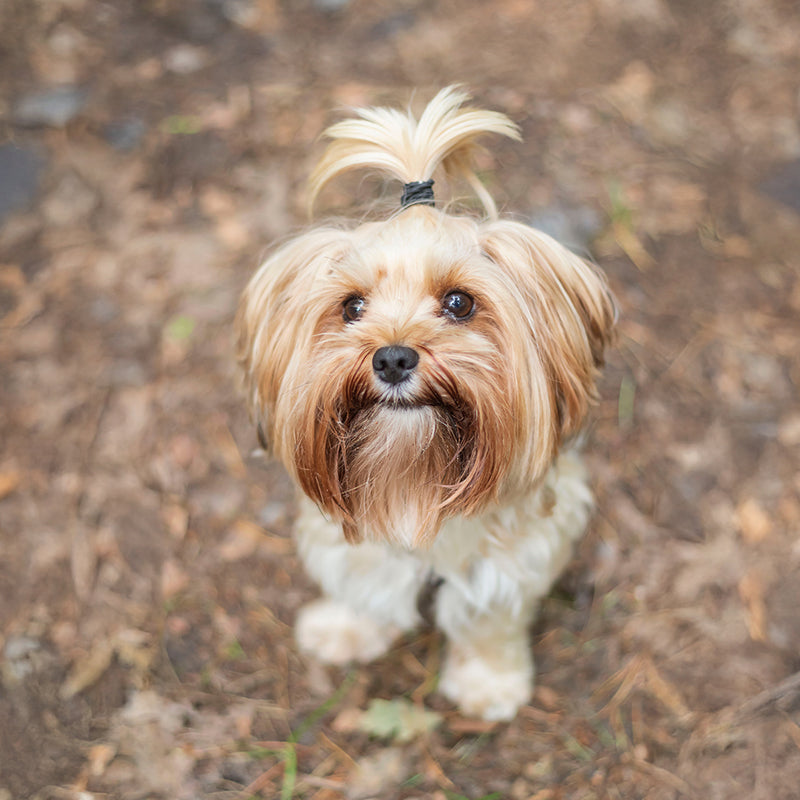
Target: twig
{"x": 780, "y": 695}
{"x": 263, "y": 779}
{"x": 665, "y": 776}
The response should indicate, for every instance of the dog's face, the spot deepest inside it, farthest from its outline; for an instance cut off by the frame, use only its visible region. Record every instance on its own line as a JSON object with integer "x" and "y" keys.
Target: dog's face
{"x": 411, "y": 370}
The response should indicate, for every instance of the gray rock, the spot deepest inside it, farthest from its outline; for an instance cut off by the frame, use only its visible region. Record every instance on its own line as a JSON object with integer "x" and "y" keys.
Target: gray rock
{"x": 20, "y": 655}
{"x": 784, "y": 185}
{"x": 330, "y": 6}
{"x": 573, "y": 226}
{"x": 392, "y": 25}
{"x": 71, "y": 201}
{"x": 185, "y": 59}
{"x": 20, "y": 170}
{"x": 125, "y": 134}
{"x": 53, "y": 108}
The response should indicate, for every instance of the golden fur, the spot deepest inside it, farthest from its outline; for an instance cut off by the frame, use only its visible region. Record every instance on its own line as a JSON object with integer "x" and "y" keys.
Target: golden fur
{"x": 482, "y": 417}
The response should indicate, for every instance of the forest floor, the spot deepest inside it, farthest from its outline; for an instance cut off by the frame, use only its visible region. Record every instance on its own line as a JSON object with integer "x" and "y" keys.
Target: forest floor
{"x": 151, "y": 151}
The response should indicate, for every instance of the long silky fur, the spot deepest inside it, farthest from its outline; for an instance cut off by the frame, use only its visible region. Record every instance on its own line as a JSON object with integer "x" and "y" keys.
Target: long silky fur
{"x": 492, "y": 398}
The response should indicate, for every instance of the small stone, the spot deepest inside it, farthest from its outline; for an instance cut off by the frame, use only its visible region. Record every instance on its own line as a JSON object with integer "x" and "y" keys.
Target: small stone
{"x": 20, "y": 170}
{"x": 52, "y": 108}
{"x": 20, "y": 647}
{"x": 70, "y": 203}
{"x": 184, "y": 59}
{"x": 124, "y": 134}
{"x": 377, "y": 774}
{"x": 240, "y": 12}
{"x": 20, "y": 654}
{"x": 330, "y": 6}
{"x": 784, "y": 185}
{"x": 392, "y": 25}
{"x": 273, "y": 515}
{"x": 574, "y": 227}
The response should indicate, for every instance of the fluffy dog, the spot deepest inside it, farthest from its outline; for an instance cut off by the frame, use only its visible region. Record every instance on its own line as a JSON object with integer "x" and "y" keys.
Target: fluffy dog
{"x": 420, "y": 378}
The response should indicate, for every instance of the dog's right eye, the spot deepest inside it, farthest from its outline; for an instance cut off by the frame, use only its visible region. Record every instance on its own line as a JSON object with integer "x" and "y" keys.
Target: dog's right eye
{"x": 353, "y": 308}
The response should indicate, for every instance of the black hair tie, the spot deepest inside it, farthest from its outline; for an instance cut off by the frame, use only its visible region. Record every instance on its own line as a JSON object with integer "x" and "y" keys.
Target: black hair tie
{"x": 417, "y": 193}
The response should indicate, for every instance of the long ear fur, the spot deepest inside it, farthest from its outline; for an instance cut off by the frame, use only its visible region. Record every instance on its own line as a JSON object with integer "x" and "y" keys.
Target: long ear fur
{"x": 272, "y": 330}
{"x": 571, "y": 311}
{"x": 389, "y": 141}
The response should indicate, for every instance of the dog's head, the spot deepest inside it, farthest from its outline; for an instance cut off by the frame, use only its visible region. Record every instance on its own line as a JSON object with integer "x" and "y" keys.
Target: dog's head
{"x": 412, "y": 369}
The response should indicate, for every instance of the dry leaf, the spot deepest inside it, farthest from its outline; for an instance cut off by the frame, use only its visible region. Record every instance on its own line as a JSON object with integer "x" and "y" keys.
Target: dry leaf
{"x": 174, "y": 579}
{"x": 348, "y": 720}
{"x": 751, "y": 590}
{"x": 83, "y": 562}
{"x": 8, "y": 482}
{"x": 100, "y": 756}
{"x": 88, "y": 669}
{"x": 398, "y": 720}
{"x": 242, "y": 540}
{"x": 548, "y": 698}
{"x": 377, "y": 774}
{"x": 176, "y": 518}
{"x": 229, "y": 450}
{"x": 754, "y": 523}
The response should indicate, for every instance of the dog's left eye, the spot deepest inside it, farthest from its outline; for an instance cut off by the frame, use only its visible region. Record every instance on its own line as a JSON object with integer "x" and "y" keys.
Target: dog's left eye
{"x": 458, "y": 305}
{"x": 353, "y": 308}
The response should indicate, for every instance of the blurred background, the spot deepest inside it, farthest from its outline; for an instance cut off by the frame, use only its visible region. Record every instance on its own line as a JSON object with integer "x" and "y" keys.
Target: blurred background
{"x": 150, "y": 153}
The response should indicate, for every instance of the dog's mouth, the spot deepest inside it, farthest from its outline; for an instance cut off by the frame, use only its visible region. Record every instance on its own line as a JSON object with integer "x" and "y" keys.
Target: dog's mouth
{"x": 415, "y": 395}
{"x": 404, "y": 403}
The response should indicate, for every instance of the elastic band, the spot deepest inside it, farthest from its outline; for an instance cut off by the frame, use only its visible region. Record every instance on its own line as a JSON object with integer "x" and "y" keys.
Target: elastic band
{"x": 417, "y": 193}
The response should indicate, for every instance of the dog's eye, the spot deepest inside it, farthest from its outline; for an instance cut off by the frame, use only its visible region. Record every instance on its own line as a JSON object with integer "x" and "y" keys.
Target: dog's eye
{"x": 353, "y": 308}
{"x": 458, "y": 305}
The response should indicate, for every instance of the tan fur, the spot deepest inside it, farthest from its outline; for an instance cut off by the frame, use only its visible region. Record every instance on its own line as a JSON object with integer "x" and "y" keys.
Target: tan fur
{"x": 459, "y": 468}
{"x": 493, "y": 396}
{"x": 386, "y": 140}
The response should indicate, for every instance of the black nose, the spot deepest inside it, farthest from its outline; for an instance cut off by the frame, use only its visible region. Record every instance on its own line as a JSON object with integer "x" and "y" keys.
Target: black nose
{"x": 395, "y": 363}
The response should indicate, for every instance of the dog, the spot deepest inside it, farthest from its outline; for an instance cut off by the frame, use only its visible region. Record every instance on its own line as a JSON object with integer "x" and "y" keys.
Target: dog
{"x": 423, "y": 377}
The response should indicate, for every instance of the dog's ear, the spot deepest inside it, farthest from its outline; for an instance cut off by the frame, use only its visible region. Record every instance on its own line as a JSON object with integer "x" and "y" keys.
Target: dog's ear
{"x": 274, "y": 320}
{"x": 568, "y": 308}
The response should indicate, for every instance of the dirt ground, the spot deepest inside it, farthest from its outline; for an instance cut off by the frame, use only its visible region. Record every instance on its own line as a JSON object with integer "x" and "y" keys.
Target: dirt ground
{"x": 148, "y": 582}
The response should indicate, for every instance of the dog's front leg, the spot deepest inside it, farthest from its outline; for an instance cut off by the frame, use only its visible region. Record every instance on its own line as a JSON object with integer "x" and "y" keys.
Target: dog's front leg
{"x": 369, "y": 593}
{"x": 489, "y": 669}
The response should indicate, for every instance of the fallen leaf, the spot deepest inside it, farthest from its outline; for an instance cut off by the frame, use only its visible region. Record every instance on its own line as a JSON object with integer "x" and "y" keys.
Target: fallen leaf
{"x": 8, "y": 482}
{"x": 83, "y": 562}
{"x": 348, "y": 720}
{"x": 398, "y": 720}
{"x": 227, "y": 448}
{"x": 174, "y": 579}
{"x": 548, "y": 698}
{"x": 176, "y": 518}
{"x": 100, "y": 756}
{"x": 376, "y": 774}
{"x": 751, "y": 590}
{"x": 88, "y": 669}
{"x": 242, "y": 541}
{"x": 754, "y": 522}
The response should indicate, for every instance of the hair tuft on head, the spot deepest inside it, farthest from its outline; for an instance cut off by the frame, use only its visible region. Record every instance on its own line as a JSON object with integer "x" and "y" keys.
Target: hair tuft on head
{"x": 410, "y": 150}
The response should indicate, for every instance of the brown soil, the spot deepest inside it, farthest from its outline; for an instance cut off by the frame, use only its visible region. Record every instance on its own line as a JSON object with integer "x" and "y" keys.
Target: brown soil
{"x": 148, "y": 583}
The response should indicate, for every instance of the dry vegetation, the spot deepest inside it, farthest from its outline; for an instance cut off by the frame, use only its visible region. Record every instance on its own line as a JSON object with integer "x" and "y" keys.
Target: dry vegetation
{"x": 147, "y": 579}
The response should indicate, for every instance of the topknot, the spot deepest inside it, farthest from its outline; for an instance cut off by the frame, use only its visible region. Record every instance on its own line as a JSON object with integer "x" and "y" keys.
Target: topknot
{"x": 410, "y": 150}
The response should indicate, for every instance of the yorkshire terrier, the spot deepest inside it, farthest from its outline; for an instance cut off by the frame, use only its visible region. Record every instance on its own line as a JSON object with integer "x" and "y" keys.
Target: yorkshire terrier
{"x": 421, "y": 378}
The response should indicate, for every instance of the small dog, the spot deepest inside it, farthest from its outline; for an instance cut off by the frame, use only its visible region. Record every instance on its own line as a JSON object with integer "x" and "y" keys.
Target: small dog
{"x": 419, "y": 377}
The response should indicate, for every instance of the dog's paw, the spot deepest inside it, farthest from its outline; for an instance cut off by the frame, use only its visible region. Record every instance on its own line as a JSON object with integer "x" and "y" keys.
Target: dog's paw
{"x": 484, "y": 688}
{"x": 336, "y": 634}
